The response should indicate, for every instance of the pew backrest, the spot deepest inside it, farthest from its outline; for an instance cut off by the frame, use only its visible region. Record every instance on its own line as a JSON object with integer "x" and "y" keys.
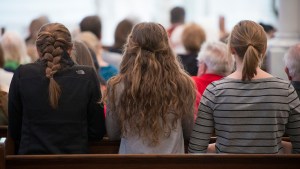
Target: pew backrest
{"x": 152, "y": 161}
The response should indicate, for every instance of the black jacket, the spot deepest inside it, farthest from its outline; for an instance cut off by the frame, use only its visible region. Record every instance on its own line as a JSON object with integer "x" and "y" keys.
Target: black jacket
{"x": 39, "y": 129}
{"x": 190, "y": 63}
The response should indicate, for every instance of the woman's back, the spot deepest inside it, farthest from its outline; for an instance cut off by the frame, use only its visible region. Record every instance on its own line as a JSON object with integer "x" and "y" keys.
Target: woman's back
{"x": 133, "y": 144}
{"x": 53, "y": 104}
{"x": 250, "y": 109}
{"x": 66, "y": 129}
{"x": 249, "y": 117}
{"x": 150, "y": 102}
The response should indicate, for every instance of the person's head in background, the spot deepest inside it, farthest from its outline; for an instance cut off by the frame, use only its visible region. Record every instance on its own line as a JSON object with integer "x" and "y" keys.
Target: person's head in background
{"x": 214, "y": 59}
{"x": 292, "y": 63}
{"x": 149, "y": 63}
{"x": 54, "y": 44}
{"x": 34, "y": 28}
{"x": 90, "y": 40}
{"x": 193, "y": 36}
{"x": 121, "y": 33}
{"x": 15, "y": 51}
{"x": 94, "y": 44}
{"x": 248, "y": 43}
{"x": 269, "y": 29}
{"x": 92, "y": 24}
{"x": 82, "y": 55}
{"x": 177, "y": 15}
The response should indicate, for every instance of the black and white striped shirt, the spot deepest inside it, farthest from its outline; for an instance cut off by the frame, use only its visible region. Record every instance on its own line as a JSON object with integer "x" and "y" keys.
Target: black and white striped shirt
{"x": 247, "y": 117}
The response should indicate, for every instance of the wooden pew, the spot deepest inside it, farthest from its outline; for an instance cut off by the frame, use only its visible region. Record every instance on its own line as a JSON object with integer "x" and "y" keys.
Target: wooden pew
{"x": 3, "y": 131}
{"x": 115, "y": 161}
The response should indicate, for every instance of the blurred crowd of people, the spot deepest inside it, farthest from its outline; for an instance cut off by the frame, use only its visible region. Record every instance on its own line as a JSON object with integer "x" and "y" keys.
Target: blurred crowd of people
{"x": 151, "y": 89}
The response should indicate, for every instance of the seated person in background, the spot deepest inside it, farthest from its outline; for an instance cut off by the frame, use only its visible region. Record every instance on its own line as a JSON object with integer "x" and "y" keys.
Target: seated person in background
{"x": 15, "y": 51}
{"x": 150, "y": 103}
{"x": 114, "y": 54}
{"x": 5, "y": 76}
{"x": 292, "y": 66}
{"x": 249, "y": 110}
{"x": 106, "y": 70}
{"x": 177, "y": 17}
{"x": 214, "y": 63}
{"x": 192, "y": 38}
{"x": 53, "y": 103}
{"x": 93, "y": 25}
{"x": 34, "y": 28}
{"x": 81, "y": 55}
{"x": 269, "y": 29}
{"x": 270, "y": 32}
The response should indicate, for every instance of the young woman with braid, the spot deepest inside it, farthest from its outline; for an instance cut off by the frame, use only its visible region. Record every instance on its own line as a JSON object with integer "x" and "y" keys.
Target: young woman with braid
{"x": 150, "y": 103}
{"x": 249, "y": 110}
{"x": 53, "y": 103}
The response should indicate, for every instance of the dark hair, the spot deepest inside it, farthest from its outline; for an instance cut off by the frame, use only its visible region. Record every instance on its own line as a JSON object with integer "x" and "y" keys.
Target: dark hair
{"x": 267, "y": 28}
{"x": 34, "y": 28}
{"x": 91, "y": 24}
{"x": 177, "y": 15}
{"x": 53, "y": 42}
{"x": 1, "y": 57}
{"x": 121, "y": 33}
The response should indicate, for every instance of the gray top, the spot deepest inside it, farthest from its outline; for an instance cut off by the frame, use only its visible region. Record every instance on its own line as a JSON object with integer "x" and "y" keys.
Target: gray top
{"x": 135, "y": 145}
{"x": 247, "y": 117}
{"x": 112, "y": 58}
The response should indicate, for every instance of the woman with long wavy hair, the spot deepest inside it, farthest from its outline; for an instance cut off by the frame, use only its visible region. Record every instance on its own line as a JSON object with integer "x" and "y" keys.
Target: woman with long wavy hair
{"x": 150, "y": 102}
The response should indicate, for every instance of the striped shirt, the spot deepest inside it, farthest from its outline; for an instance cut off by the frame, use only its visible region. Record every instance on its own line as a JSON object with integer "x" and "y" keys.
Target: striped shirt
{"x": 247, "y": 117}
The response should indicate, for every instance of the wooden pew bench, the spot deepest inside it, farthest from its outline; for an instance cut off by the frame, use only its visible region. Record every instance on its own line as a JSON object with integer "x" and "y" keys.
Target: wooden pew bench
{"x": 116, "y": 161}
{"x": 3, "y": 131}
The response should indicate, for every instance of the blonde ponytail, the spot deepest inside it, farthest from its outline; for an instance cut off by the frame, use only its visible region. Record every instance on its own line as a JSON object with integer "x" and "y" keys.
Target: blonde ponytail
{"x": 249, "y": 41}
{"x": 250, "y": 63}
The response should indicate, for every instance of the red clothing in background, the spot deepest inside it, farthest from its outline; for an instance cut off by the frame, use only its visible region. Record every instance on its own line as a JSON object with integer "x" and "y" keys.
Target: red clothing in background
{"x": 201, "y": 83}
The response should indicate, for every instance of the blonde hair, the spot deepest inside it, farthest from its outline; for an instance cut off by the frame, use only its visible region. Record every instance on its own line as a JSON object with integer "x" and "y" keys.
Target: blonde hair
{"x": 14, "y": 47}
{"x": 90, "y": 40}
{"x": 81, "y": 54}
{"x": 53, "y": 41}
{"x": 155, "y": 87}
{"x": 249, "y": 41}
{"x": 193, "y": 37}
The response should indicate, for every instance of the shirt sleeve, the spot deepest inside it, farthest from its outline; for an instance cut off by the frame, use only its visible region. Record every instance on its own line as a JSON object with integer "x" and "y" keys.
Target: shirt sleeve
{"x": 187, "y": 124}
{"x": 293, "y": 126}
{"x": 112, "y": 121}
{"x": 96, "y": 119}
{"x": 204, "y": 125}
{"x": 15, "y": 109}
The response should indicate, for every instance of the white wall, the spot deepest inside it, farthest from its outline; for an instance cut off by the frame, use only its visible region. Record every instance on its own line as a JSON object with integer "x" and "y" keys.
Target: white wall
{"x": 17, "y": 14}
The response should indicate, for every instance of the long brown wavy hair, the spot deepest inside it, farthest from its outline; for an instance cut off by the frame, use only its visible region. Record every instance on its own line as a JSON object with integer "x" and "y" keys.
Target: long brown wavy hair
{"x": 157, "y": 92}
{"x": 53, "y": 41}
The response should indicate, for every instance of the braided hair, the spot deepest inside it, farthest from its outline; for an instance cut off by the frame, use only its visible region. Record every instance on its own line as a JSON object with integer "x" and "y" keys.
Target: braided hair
{"x": 54, "y": 40}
